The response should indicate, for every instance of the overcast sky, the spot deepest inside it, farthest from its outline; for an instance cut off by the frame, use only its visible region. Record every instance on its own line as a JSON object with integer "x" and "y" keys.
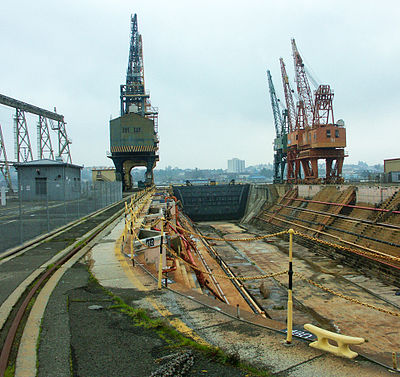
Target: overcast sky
{"x": 205, "y": 66}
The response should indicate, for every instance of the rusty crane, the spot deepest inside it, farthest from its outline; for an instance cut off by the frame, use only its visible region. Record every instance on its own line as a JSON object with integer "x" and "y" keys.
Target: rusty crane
{"x": 313, "y": 135}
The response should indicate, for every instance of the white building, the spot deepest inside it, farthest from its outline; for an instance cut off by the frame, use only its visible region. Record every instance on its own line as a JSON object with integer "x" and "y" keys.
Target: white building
{"x": 236, "y": 166}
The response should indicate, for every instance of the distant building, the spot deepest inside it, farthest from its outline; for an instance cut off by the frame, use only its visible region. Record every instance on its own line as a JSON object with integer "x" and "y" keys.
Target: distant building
{"x": 236, "y": 166}
{"x": 103, "y": 174}
{"x": 391, "y": 168}
{"x": 48, "y": 180}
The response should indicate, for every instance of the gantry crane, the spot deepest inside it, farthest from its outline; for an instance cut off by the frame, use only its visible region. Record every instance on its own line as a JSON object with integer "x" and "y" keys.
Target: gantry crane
{"x": 315, "y": 135}
{"x": 293, "y": 165}
{"x": 134, "y": 97}
{"x": 134, "y": 135}
{"x": 280, "y": 142}
{"x": 23, "y": 149}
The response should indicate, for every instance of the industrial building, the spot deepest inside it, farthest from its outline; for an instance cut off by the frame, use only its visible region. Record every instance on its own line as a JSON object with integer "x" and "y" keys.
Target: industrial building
{"x": 103, "y": 175}
{"x": 48, "y": 180}
{"x": 391, "y": 169}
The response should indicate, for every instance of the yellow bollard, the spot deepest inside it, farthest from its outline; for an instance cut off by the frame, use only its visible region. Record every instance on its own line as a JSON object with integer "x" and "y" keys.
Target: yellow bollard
{"x": 290, "y": 298}
{"x": 394, "y": 358}
{"x": 161, "y": 249}
{"x": 343, "y": 342}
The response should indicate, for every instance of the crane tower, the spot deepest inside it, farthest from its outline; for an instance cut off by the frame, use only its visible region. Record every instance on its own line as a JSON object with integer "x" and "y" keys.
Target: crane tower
{"x": 134, "y": 135}
{"x": 293, "y": 165}
{"x": 280, "y": 142}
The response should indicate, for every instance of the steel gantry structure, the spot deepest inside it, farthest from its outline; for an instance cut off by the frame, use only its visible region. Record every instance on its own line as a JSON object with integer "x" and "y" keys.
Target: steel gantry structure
{"x": 23, "y": 149}
{"x": 281, "y": 130}
{"x": 45, "y": 148}
{"x": 4, "y": 165}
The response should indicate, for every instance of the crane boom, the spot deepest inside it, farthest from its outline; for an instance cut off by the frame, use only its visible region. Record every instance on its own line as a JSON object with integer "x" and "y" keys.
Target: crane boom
{"x": 280, "y": 142}
{"x": 134, "y": 73}
{"x": 291, "y": 110}
{"x": 303, "y": 86}
{"x": 133, "y": 94}
{"x": 275, "y": 105}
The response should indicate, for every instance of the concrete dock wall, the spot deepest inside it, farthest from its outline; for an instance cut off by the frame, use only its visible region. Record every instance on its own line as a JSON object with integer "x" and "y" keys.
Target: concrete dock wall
{"x": 262, "y": 194}
{"x": 365, "y": 193}
{"x": 259, "y": 195}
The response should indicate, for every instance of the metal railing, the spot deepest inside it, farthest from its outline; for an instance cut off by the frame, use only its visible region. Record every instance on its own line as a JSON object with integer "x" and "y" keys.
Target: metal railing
{"x": 41, "y": 206}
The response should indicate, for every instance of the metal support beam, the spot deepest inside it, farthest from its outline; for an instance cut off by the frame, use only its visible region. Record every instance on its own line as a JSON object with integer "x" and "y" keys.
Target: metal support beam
{"x": 11, "y": 102}
{"x": 4, "y": 166}
{"x": 63, "y": 141}
{"x": 45, "y": 148}
{"x": 23, "y": 149}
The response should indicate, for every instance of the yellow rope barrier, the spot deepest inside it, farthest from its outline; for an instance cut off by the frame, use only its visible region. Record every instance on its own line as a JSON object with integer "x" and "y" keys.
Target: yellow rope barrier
{"x": 376, "y": 254}
{"x": 143, "y": 244}
{"x": 258, "y": 277}
{"x": 348, "y": 298}
{"x": 231, "y": 239}
{"x": 367, "y": 252}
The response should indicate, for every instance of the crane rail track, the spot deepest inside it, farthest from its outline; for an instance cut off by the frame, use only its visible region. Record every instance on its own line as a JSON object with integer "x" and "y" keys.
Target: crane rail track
{"x": 98, "y": 222}
{"x": 241, "y": 288}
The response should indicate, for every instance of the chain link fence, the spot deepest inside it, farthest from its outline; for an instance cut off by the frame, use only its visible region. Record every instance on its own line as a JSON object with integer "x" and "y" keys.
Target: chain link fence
{"x": 41, "y": 207}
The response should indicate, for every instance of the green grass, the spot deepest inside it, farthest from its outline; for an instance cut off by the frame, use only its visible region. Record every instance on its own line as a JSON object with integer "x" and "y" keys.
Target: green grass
{"x": 173, "y": 337}
{"x": 10, "y": 371}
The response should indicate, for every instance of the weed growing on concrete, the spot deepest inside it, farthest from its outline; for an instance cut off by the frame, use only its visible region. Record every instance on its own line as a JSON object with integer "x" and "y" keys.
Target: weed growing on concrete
{"x": 173, "y": 337}
{"x": 10, "y": 371}
{"x": 38, "y": 343}
{"x": 177, "y": 340}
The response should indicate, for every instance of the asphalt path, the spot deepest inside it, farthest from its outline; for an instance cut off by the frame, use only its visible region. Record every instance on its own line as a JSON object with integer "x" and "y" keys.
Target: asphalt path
{"x": 79, "y": 341}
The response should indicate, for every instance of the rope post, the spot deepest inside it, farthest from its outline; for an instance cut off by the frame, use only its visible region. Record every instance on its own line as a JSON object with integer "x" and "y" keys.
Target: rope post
{"x": 161, "y": 249}
{"x": 290, "y": 298}
{"x": 132, "y": 244}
